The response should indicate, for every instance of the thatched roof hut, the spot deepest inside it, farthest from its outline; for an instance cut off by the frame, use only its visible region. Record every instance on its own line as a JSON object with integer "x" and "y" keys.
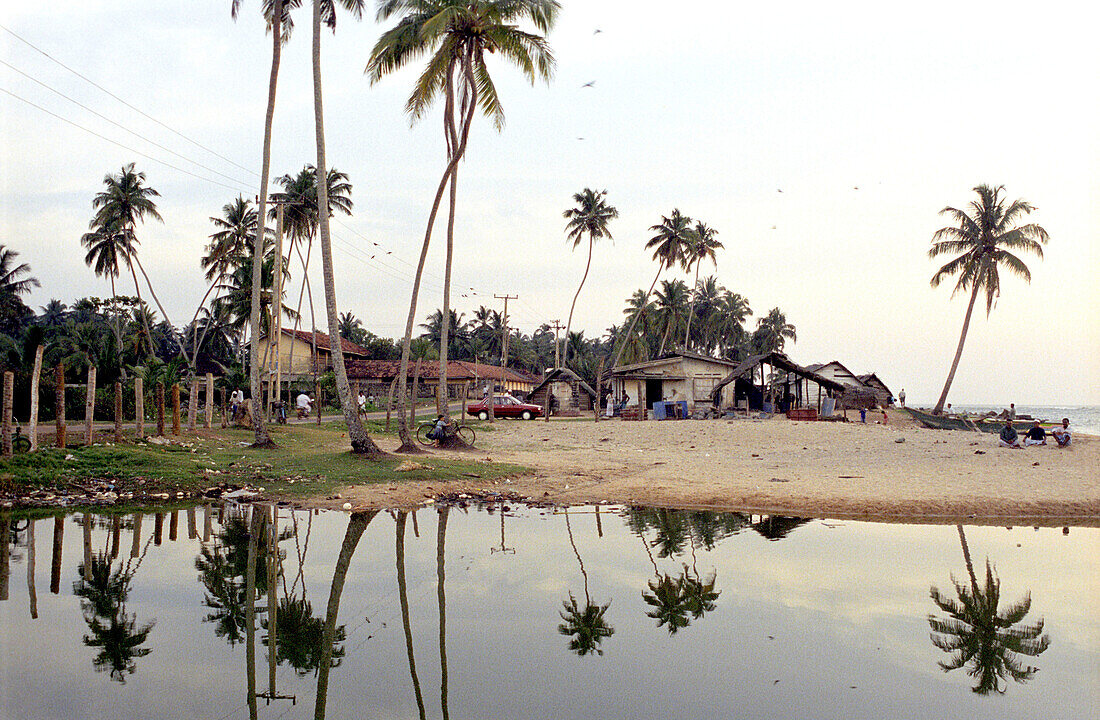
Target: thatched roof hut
{"x": 572, "y": 393}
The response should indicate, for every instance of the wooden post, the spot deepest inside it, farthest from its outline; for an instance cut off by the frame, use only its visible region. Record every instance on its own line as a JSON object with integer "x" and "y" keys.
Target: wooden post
{"x": 118, "y": 412}
{"x": 89, "y": 406}
{"x": 465, "y": 394}
{"x": 32, "y": 590}
{"x": 59, "y": 412}
{"x": 9, "y": 381}
{"x": 209, "y": 417}
{"x": 192, "y": 403}
{"x": 175, "y": 408}
{"x": 158, "y": 528}
{"x": 116, "y": 534}
{"x": 139, "y": 407}
{"x": 33, "y": 424}
{"x": 160, "y": 410}
{"x": 5, "y": 568}
{"x": 225, "y": 421}
{"x": 599, "y": 389}
{"x": 207, "y": 522}
{"x": 192, "y": 524}
{"x": 173, "y": 525}
{"x": 545, "y": 402}
{"x": 317, "y": 399}
{"x": 135, "y": 546}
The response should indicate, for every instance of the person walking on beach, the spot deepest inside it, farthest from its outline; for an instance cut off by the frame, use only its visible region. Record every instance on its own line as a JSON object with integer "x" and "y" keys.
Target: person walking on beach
{"x": 1009, "y": 436}
{"x": 901, "y": 397}
{"x": 1062, "y": 435}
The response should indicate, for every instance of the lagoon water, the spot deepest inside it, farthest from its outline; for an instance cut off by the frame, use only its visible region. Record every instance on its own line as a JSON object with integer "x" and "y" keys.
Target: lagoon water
{"x": 620, "y": 613}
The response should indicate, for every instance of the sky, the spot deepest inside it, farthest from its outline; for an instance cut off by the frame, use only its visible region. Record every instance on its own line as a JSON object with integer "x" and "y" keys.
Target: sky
{"x": 820, "y": 141}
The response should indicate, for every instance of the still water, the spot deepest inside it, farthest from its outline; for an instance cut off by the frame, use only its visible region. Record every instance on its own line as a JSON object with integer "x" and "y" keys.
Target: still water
{"x": 526, "y": 613}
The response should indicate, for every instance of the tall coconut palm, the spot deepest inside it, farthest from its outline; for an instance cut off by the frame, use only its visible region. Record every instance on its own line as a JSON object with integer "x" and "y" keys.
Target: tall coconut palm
{"x": 457, "y": 34}
{"x": 773, "y": 331}
{"x": 702, "y": 244}
{"x": 361, "y": 442}
{"x": 277, "y": 14}
{"x": 706, "y": 302}
{"x": 673, "y": 303}
{"x": 982, "y": 637}
{"x": 982, "y": 242}
{"x": 586, "y": 627}
{"x": 590, "y": 217}
{"x": 668, "y": 249}
{"x": 733, "y": 311}
{"x": 15, "y": 280}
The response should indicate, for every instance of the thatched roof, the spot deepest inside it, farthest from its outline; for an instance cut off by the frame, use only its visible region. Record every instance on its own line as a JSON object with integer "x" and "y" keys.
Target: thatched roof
{"x": 775, "y": 359}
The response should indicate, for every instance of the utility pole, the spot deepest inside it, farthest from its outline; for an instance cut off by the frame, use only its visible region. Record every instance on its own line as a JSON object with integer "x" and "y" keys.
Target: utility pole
{"x": 504, "y": 341}
{"x": 557, "y": 326}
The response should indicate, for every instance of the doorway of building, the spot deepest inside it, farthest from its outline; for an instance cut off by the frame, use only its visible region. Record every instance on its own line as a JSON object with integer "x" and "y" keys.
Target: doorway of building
{"x": 653, "y": 393}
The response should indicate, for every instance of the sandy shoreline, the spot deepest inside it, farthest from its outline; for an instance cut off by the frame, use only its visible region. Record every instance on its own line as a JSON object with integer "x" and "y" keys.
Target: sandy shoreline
{"x": 843, "y": 470}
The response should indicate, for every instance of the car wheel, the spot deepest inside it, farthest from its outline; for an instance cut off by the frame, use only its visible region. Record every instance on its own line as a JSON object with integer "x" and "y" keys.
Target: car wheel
{"x": 527, "y": 415}
{"x": 483, "y": 415}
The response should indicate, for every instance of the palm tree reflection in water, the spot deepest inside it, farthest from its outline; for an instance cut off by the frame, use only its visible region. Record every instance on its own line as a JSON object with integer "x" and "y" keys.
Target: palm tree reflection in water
{"x": 586, "y": 627}
{"x": 103, "y": 590}
{"x": 979, "y": 636}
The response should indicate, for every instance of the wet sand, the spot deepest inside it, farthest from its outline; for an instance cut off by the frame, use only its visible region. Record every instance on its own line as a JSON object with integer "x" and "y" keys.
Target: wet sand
{"x": 824, "y": 469}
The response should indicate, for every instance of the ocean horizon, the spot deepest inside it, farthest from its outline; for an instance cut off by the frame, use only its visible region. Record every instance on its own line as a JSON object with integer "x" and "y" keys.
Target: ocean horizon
{"x": 1082, "y": 418}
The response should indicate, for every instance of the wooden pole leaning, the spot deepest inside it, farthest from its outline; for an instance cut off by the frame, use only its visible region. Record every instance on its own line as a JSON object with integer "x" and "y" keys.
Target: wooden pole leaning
{"x": 89, "y": 406}
{"x": 32, "y": 429}
{"x": 192, "y": 403}
{"x": 118, "y": 412}
{"x": 209, "y": 418}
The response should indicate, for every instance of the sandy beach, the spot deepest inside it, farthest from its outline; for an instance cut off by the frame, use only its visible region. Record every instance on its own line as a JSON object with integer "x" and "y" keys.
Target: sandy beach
{"x": 848, "y": 470}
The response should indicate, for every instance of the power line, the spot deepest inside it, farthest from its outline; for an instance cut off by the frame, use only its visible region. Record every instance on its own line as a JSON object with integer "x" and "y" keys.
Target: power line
{"x": 120, "y": 126}
{"x": 115, "y": 142}
{"x": 116, "y": 97}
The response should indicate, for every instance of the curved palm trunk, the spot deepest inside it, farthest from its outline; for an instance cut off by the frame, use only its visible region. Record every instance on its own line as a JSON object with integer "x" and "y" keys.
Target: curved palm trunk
{"x": 360, "y": 441}
{"x": 969, "y": 562}
{"x": 141, "y": 303}
{"x": 569, "y": 322}
{"x": 442, "y": 397}
{"x": 259, "y": 425}
{"x": 958, "y": 352}
{"x": 117, "y": 327}
{"x": 629, "y": 330}
{"x": 691, "y": 306}
{"x": 179, "y": 340}
{"x": 584, "y": 573}
{"x": 407, "y": 444}
{"x": 403, "y": 597}
{"x": 356, "y": 525}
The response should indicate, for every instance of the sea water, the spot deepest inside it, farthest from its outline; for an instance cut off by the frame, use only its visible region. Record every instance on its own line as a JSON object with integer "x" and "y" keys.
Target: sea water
{"x": 1082, "y": 418}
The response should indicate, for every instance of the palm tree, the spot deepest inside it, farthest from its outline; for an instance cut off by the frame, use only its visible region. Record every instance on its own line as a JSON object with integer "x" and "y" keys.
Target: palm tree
{"x": 733, "y": 311}
{"x": 277, "y": 14}
{"x": 706, "y": 302}
{"x": 980, "y": 636}
{"x": 403, "y": 597}
{"x": 457, "y": 34}
{"x": 351, "y": 327}
{"x": 586, "y": 627}
{"x": 983, "y": 241}
{"x": 15, "y": 280}
{"x": 54, "y": 313}
{"x": 702, "y": 244}
{"x": 361, "y": 442}
{"x": 590, "y": 217}
{"x": 668, "y": 248}
{"x": 773, "y": 331}
{"x": 673, "y": 302}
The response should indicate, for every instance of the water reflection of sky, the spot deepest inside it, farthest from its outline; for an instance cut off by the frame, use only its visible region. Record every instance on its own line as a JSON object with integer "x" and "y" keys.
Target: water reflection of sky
{"x": 829, "y": 622}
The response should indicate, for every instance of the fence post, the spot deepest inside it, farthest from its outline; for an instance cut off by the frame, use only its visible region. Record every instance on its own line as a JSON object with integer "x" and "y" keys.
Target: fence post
{"x": 33, "y": 424}
{"x": 192, "y": 403}
{"x": 160, "y": 408}
{"x": 317, "y": 399}
{"x": 175, "y": 408}
{"x": 209, "y": 401}
{"x": 89, "y": 406}
{"x": 118, "y": 412}
{"x": 59, "y": 413}
{"x": 139, "y": 407}
{"x": 9, "y": 381}
{"x": 599, "y": 390}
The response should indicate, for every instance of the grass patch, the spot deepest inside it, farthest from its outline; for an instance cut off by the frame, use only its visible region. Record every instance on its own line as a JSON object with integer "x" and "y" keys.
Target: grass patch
{"x": 309, "y": 460}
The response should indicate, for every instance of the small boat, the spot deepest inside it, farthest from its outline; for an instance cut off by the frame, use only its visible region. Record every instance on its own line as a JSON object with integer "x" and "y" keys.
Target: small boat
{"x": 989, "y": 424}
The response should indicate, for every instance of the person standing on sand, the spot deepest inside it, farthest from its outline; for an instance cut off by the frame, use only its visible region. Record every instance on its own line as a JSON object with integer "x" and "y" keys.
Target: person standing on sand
{"x": 901, "y": 397}
{"x": 1062, "y": 435}
{"x": 1009, "y": 437}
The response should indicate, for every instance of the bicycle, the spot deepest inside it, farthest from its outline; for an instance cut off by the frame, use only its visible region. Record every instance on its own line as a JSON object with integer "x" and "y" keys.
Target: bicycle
{"x": 463, "y": 431}
{"x": 20, "y": 443}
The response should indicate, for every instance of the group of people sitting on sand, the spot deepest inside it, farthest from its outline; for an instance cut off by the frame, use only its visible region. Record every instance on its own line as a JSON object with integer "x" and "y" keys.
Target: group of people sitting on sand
{"x": 1036, "y": 435}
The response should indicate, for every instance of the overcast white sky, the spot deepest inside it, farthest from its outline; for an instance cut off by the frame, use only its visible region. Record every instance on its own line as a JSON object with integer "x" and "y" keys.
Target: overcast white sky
{"x": 710, "y": 107}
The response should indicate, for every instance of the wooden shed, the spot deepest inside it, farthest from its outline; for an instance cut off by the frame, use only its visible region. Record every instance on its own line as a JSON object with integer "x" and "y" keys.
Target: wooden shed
{"x": 878, "y": 387}
{"x": 775, "y": 379}
{"x": 570, "y": 394}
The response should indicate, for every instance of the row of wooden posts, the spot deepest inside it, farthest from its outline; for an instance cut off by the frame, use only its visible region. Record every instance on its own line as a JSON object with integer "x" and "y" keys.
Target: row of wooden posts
{"x": 61, "y": 429}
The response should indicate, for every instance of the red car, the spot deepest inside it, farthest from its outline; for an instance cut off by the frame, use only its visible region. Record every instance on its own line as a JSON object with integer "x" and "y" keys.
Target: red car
{"x": 504, "y": 406}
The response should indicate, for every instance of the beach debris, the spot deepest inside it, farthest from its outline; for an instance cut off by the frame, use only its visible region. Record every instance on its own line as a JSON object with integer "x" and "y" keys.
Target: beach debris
{"x": 1035, "y": 464}
{"x": 979, "y": 452}
{"x": 241, "y": 494}
{"x": 900, "y": 440}
{"x": 850, "y": 477}
{"x": 779, "y": 480}
{"x": 409, "y": 465}
{"x": 347, "y": 506}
